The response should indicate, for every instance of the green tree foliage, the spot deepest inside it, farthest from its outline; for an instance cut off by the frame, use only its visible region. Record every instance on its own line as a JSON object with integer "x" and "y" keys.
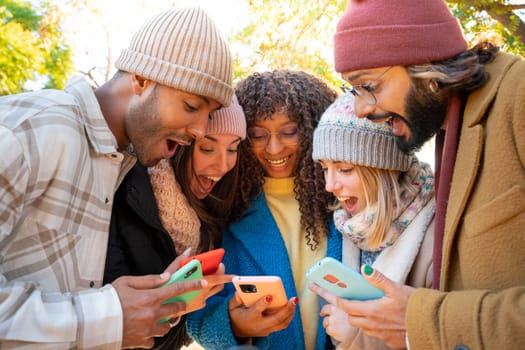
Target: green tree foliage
{"x": 291, "y": 34}
{"x": 31, "y": 46}
{"x": 298, "y": 34}
{"x": 497, "y": 19}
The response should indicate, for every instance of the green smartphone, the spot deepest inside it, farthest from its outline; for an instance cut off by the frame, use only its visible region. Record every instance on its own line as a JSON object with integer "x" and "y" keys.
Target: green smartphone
{"x": 190, "y": 271}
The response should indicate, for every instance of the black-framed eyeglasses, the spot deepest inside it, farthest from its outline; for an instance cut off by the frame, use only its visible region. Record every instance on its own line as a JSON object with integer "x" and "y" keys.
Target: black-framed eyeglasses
{"x": 288, "y": 135}
{"x": 364, "y": 91}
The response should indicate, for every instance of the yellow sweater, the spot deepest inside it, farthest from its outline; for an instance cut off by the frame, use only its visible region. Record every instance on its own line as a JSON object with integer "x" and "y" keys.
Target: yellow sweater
{"x": 285, "y": 210}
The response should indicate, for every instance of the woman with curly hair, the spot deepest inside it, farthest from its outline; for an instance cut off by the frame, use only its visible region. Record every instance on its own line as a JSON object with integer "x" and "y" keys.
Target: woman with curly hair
{"x": 284, "y": 225}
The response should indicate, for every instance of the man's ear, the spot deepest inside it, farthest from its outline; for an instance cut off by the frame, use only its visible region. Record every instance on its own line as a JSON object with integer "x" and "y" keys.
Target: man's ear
{"x": 139, "y": 84}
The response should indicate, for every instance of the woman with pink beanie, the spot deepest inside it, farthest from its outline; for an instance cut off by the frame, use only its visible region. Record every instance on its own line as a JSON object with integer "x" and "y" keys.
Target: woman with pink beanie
{"x": 177, "y": 206}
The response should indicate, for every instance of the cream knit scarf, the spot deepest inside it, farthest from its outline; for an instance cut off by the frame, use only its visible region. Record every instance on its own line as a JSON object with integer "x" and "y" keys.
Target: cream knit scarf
{"x": 356, "y": 227}
{"x": 176, "y": 214}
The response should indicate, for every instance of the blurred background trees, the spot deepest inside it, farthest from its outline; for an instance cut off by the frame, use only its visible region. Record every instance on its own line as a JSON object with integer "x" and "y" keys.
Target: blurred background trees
{"x": 32, "y": 47}
{"x": 298, "y": 34}
{"x": 264, "y": 34}
{"x": 289, "y": 34}
{"x": 499, "y": 19}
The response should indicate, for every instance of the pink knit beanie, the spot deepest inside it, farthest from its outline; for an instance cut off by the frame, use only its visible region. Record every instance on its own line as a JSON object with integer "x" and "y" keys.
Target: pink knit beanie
{"x": 228, "y": 120}
{"x": 380, "y": 33}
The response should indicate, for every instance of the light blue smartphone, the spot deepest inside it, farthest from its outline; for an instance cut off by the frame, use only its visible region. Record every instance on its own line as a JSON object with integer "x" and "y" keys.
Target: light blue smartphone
{"x": 342, "y": 281}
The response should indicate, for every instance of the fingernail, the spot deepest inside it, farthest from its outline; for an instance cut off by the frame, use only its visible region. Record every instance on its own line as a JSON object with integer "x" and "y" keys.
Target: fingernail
{"x": 368, "y": 270}
{"x": 164, "y": 275}
{"x": 268, "y": 299}
{"x": 187, "y": 252}
{"x": 204, "y": 283}
{"x": 295, "y": 300}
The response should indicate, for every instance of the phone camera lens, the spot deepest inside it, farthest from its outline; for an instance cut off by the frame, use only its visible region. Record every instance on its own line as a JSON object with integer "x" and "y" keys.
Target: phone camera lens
{"x": 248, "y": 288}
{"x": 190, "y": 272}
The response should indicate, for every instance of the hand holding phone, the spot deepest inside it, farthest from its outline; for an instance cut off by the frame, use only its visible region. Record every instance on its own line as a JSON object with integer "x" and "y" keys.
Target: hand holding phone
{"x": 190, "y": 271}
{"x": 253, "y": 288}
{"x": 209, "y": 260}
{"x": 342, "y": 281}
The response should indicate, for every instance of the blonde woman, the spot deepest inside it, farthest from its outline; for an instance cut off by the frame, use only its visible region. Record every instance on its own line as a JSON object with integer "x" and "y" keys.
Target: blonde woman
{"x": 385, "y": 208}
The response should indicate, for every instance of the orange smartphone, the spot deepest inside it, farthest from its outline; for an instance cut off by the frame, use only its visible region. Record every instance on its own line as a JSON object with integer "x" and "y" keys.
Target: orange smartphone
{"x": 209, "y": 260}
{"x": 253, "y": 288}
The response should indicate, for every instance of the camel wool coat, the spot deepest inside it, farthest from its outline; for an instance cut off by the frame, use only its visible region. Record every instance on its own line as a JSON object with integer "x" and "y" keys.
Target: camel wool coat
{"x": 481, "y": 304}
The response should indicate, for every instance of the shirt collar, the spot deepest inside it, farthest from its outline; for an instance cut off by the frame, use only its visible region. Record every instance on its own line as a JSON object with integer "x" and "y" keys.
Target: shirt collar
{"x": 99, "y": 135}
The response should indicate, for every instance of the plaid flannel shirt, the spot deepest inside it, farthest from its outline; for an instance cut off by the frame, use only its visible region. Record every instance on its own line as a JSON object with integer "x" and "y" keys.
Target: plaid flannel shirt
{"x": 58, "y": 172}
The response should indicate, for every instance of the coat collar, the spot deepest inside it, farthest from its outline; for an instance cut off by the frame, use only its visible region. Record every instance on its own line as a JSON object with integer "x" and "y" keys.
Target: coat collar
{"x": 270, "y": 250}
{"x": 470, "y": 149}
{"x": 266, "y": 251}
{"x": 479, "y": 101}
{"x": 138, "y": 194}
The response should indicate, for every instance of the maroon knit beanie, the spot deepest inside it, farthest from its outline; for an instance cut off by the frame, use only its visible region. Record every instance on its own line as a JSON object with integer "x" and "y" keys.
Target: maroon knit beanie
{"x": 381, "y": 33}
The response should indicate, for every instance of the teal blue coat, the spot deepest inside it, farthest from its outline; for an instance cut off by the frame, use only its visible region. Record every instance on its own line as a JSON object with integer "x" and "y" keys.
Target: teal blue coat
{"x": 254, "y": 247}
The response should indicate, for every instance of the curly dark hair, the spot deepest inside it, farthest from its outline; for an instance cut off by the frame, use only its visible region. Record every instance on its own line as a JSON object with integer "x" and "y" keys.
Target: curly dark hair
{"x": 303, "y": 98}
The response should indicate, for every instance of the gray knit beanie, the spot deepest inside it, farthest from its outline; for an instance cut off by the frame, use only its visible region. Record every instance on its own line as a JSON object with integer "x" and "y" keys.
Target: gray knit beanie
{"x": 342, "y": 136}
{"x": 182, "y": 48}
{"x": 228, "y": 120}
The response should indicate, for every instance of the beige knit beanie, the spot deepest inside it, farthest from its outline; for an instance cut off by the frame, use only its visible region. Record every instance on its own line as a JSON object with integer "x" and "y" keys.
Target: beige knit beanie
{"x": 228, "y": 120}
{"x": 343, "y": 137}
{"x": 182, "y": 48}
{"x": 175, "y": 212}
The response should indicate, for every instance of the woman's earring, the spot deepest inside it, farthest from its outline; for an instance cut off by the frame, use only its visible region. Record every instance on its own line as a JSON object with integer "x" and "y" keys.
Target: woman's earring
{"x": 433, "y": 86}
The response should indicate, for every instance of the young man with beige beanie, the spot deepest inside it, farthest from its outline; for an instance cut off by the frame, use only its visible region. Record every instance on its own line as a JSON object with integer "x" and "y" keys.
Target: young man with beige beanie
{"x": 181, "y": 203}
{"x": 64, "y": 154}
{"x": 408, "y": 65}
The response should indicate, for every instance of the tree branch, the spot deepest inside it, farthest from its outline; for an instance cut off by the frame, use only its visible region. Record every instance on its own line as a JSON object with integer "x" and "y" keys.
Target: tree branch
{"x": 500, "y": 12}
